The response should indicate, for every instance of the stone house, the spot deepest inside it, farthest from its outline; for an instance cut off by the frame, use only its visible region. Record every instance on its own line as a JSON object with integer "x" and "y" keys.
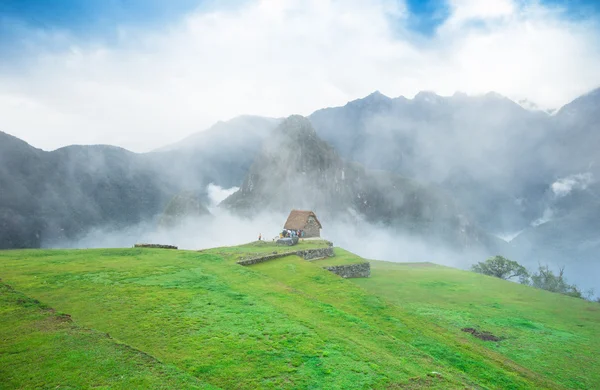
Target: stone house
{"x": 304, "y": 220}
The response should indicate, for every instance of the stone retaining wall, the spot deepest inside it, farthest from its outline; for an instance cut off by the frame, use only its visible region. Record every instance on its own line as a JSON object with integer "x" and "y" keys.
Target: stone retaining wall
{"x": 262, "y": 259}
{"x": 360, "y": 270}
{"x": 311, "y": 254}
{"x": 154, "y": 246}
{"x": 306, "y": 254}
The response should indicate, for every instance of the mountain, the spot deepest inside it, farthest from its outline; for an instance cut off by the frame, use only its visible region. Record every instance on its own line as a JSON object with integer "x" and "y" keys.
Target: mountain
{"x": 221, "y": 153}
{"x": 506, "y": 169}
{"x": 297, "y": 169}
{"x": 49, "y": 196}
{"x": 510, "y": 167}
{"x": 476, "y": 147}
{"x": 20, "y": 181}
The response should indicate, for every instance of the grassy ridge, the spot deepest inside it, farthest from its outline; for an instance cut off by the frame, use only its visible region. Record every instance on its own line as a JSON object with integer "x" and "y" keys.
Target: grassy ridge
{"x": 286, "y": 323}
{"x": 551, "y": 334}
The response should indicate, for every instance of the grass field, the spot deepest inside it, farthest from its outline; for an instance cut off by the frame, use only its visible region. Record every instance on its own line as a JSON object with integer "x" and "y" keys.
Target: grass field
{"x": 341, "y": 257}
{"x": 183, "y": 319}
{"x": 552, "y": 334}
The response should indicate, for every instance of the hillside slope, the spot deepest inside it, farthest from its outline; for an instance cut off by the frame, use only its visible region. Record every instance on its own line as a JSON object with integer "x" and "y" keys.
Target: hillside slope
{"x": 290, "y": 324}
{"x": 551, "y": 334}
{"x": 43, "y": 349}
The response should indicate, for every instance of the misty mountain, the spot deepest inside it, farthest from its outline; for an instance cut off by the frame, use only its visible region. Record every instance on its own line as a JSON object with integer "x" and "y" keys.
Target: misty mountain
{"x": 47, "y": 197}
{"x": 297, "y": 169}
{"x": 476, "y": 147}
{"x": 513, "y": 169}
{"x": 506, "y": 169}
{"x": 220, "y": 154}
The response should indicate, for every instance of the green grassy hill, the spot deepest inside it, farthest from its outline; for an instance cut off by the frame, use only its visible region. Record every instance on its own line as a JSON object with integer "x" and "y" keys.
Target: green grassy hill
{"x": 184, "y": 319}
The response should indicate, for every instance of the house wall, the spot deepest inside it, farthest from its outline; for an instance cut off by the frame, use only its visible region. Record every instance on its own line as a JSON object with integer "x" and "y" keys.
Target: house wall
{"x": 312, "y": 229}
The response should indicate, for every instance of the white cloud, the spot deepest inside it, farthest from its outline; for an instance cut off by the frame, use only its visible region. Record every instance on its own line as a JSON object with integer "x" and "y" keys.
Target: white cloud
{"x": 466, "y": 10}
{"x": 275, "y": 58}
{"x": 217, "y": 194}
{"x": 563, "y": 187}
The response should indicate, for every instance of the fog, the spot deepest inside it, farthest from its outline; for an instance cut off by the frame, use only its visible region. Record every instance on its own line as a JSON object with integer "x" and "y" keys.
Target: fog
{"x": 366, "y": 240}
{"x": 475, "y": 158}
{"x": 223, "y": 228}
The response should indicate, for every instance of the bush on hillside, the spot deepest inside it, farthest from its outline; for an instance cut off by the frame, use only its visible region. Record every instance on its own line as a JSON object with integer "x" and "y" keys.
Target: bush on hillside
{"x": 501, "y": 267}
{"x": 545, "y": 279}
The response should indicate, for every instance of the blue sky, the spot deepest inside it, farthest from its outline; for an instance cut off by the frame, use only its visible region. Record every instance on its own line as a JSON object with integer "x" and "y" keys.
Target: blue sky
{"x": 99, "y": 18}
{"x": 93, "y": 15}
{"x": 144, "y": 73}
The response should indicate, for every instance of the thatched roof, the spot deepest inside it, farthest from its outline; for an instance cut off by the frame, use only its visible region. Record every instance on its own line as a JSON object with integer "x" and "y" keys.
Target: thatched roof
{"x": 298, "y": 219}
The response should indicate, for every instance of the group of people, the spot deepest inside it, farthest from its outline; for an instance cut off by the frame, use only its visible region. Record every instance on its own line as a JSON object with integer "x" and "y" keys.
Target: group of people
{"x": 291, "y": 233}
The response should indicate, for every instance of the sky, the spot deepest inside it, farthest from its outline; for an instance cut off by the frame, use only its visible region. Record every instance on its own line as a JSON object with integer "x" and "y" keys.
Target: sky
{"x": 141, "y": 74}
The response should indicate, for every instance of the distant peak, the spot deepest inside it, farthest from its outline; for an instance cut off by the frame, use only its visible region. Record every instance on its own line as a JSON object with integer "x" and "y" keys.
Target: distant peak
{"x": 295, "y": 119}
{"x": 495, "y": 95}
{"x": 373, "y": 98}
{"x": 377, "y": 95}
{"x": 296, "y": 125}
{"x": 460, "y": 95}
{"x": 588, "y": 102}
{"x": 428, "y": 96}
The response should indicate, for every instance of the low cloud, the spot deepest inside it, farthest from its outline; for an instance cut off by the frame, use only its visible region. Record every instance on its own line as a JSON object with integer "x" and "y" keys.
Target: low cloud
{"x": 546, "y": 217}
{"x": 225, "y": 229}
{"x": 366, "y": 240}
{"x": 563, "y": 187}
{"x": 217, "y": 194}
{"x": 559, "y": 189}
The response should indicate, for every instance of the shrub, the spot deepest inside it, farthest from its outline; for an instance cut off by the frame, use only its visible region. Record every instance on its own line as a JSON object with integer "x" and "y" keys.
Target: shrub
{"x": 545, "y": 279}
{"x": 501, "y": 267}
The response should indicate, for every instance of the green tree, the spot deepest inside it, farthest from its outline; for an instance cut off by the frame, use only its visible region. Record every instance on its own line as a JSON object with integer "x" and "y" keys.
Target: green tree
{"x": 502, "y": 268}
{"x": 545, "y": 279}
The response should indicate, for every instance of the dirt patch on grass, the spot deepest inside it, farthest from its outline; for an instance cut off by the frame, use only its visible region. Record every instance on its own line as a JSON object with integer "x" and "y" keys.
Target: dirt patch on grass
{"x": 433, "y": 379}
{"x": 64, "y": 318}
{"x": 482, "y": 335}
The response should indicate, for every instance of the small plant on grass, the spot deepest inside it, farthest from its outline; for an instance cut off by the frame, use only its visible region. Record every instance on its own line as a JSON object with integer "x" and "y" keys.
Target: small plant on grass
{"x": 501, "y": 267}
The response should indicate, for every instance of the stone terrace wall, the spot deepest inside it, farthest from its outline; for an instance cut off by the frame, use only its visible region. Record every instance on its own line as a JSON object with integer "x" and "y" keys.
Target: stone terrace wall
{"x": 262, "y": 259}
{"x": 154, "y": 246}
{"x": 311, "y": 254}
{"x": 306, "y": 254}
{"x": 360, "y": 270}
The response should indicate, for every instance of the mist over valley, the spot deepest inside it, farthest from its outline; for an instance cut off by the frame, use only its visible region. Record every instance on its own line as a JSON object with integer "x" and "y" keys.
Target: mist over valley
{"x": 445, "y": 179}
